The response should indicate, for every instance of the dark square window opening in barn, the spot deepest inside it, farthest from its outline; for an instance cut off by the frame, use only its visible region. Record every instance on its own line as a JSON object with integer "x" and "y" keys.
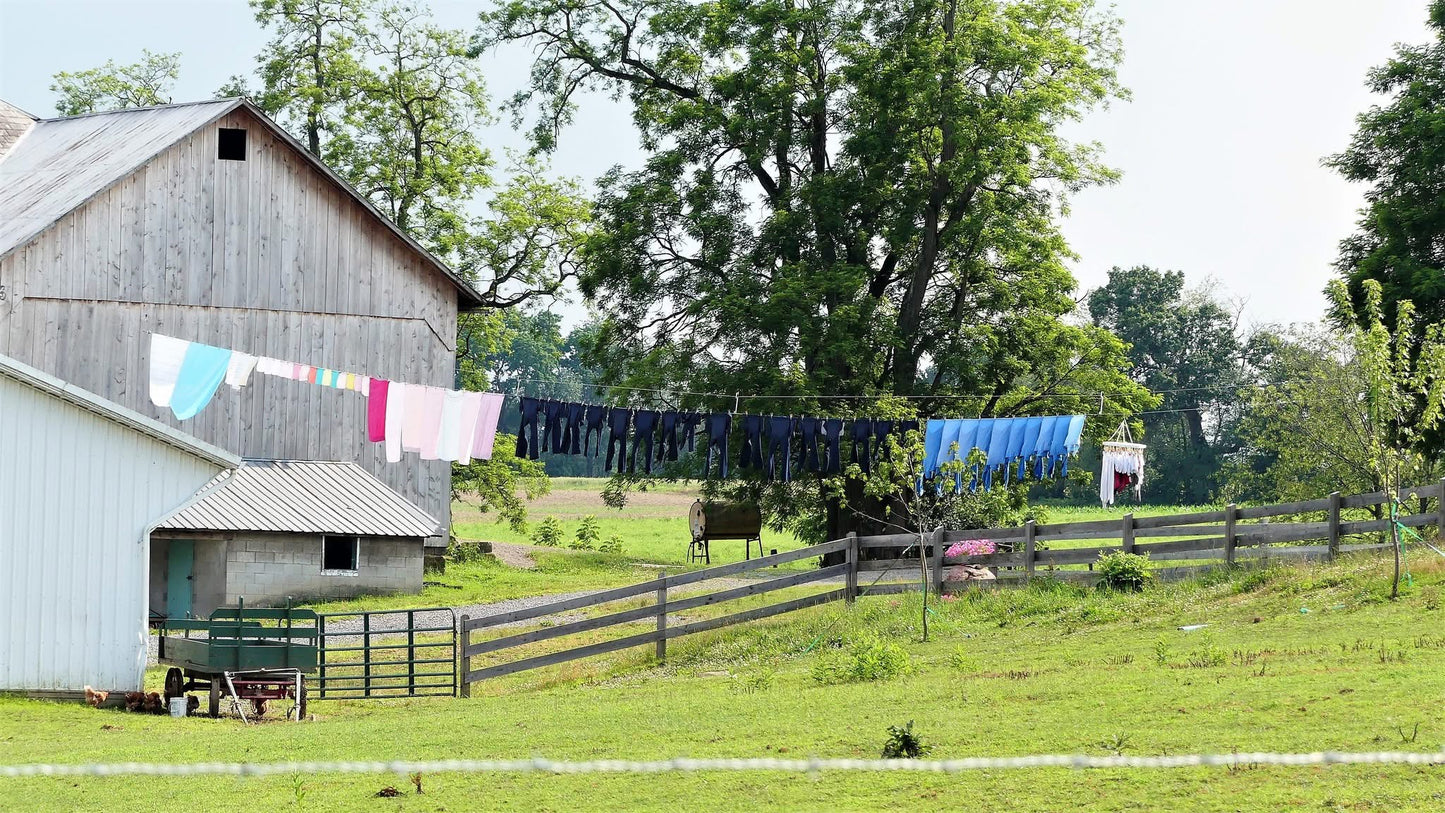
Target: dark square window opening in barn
{"x": 231, "y": 144}
{"x": 339, "y": 553}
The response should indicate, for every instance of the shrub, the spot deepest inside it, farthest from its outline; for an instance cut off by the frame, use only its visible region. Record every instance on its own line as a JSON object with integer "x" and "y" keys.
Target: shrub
{"x": 588, "y": 534}
{"x": 867, "y": 660}
{"x": 1124, "y": 571}
{"x": 904, "y": 744}
{"x": 548, "y": 533}
{"x": 612, "y": 544}
{"x": 971, "y": 547}
{"x": 464, "y": 551}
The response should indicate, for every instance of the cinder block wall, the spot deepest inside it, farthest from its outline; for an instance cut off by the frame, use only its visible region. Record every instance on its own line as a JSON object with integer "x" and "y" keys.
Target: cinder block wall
{"x": 267, "y": 568}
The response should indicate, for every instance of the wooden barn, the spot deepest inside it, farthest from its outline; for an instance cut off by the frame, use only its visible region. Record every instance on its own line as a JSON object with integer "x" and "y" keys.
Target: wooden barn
{"x": 208, "y": 222}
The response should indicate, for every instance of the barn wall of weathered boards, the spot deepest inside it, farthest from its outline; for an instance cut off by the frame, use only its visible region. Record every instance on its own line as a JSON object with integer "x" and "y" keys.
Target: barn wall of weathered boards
{"x": 265, "y": 252}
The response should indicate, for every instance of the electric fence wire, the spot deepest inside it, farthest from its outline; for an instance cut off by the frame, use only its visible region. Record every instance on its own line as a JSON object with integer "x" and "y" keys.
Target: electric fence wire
{"x": 689, "y": 765}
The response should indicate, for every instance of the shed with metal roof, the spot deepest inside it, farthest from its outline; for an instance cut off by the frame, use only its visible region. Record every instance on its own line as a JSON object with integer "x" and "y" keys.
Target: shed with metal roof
{"x": 278, "y": 530}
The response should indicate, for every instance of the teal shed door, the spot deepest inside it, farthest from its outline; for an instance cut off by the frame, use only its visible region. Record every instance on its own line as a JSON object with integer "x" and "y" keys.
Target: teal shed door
{"x": 180, "y": 565}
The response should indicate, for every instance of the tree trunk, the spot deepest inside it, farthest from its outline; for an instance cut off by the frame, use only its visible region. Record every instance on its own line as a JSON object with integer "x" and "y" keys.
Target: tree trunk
{"x": 1395, "y": 539}
{"x": 923, "y": 573}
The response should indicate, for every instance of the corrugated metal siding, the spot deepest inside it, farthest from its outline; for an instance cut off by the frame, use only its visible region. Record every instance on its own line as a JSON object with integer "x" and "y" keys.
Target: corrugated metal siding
{"x": 304, "y": 497}
{"x": 63, "y": 162}
{"x": 77, "y": 492}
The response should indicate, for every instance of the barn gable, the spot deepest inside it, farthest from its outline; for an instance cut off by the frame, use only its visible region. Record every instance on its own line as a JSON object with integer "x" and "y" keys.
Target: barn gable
{"x": 61, "y": 163}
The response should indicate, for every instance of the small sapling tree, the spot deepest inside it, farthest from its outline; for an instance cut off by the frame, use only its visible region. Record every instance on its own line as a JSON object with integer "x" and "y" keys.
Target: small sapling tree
{"x": 1404, "y": 389}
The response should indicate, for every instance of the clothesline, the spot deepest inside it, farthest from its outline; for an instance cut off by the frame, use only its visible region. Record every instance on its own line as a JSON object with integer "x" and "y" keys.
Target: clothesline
{"x": 435, "y": 423}
{"x": 1090, "y": 396}
{"x": 461, "y": 425}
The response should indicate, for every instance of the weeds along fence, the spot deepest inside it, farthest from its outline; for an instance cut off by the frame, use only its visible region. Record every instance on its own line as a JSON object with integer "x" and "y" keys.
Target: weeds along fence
{"x": 1206, "y": 539}
{"x": 899, "y": 563}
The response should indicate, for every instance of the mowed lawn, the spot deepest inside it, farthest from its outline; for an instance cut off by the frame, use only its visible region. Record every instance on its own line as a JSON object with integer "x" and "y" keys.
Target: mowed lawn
{"x": 1291, "y": 659}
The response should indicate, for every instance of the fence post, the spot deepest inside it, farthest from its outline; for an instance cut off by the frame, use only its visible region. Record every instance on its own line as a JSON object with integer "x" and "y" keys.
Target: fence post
{"x": 1231, "y": 512}
{"x": 1334, "y": 525}
{"x": 320, "y": 653}
{"x": 850, "y": 580}
{"x": 1029, "y": 551}
{"x": 661, "y": 616}
{"x": 1126, "y": 534}
{"x": 1440, "y": 511}
{"x": 466, "y": 660}
{"x": 938, "y": 546}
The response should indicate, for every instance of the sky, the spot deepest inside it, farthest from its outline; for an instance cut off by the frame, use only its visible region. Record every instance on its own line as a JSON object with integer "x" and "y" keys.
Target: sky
{"x": 1234, "y": 103}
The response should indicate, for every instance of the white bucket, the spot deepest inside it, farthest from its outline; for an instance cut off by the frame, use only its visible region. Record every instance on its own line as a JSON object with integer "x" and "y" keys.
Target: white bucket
{"x": 178, "y": 706}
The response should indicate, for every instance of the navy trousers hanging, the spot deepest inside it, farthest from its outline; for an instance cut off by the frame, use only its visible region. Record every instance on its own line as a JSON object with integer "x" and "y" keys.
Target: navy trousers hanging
{"x": 719, "y": 426}
{"x": 618, "y": 420}
{"x": 528, "y": 448}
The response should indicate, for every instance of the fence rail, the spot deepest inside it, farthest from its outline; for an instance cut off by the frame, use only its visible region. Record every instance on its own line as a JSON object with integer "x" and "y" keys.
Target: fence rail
{"x": 889, "y": 564}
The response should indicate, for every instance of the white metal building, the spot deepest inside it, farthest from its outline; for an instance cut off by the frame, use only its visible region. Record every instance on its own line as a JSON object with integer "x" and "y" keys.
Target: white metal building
{"x": 82, "y": 483}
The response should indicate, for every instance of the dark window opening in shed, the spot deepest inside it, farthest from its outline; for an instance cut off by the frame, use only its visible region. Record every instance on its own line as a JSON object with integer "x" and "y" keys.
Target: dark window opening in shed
{"x": 231, "y": 146}
{"x": 339, "y": 552}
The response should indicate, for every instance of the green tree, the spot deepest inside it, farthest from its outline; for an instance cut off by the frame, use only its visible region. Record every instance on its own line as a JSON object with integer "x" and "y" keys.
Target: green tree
{"x": 1304, "y": 431}
{"x": 114, "y": 87}
{"x": 1186, "y": 346}
{"x": 1397, "y": 150}
{"x": 839, "y": 197}
{"x": 311, "y": 66}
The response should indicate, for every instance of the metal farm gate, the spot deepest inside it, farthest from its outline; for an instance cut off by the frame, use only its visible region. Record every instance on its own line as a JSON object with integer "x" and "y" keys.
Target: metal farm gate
{"x": 392, "y": 653}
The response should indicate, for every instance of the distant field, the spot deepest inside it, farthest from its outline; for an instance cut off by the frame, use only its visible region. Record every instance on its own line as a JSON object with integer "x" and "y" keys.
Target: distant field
{"x": 653, "y": 525}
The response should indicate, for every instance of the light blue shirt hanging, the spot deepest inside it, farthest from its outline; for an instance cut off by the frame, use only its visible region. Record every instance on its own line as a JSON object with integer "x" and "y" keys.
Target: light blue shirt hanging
{"x": 202, "y": 371}
{"x": 1032, "y": 427}
{"x": 983, "y": 433}
{"x": 932, "y": 447}
{"x": 1057, "y": 449}
{"x": 1041, "y": 446}
{"x": 1072, "y": 438}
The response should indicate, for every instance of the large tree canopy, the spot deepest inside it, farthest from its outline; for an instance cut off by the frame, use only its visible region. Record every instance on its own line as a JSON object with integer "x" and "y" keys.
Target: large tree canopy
{"x": 140, "y": 84}
{"x": 839, "y": 196}
{"x": 1399, "y": 150}
{"x": 1185, "y": 346}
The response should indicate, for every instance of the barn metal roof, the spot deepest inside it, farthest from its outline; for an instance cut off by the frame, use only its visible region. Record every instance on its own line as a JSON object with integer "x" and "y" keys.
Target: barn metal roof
{"x": 304, "y": 497}
{"x": 59, "y": 164}
{"x": 89, "y": 401}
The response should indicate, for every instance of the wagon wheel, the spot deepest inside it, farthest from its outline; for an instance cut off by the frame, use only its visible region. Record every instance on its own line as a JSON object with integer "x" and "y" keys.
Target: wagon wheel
{"x": 215, "y": 703}
{"x": 175, "y": 683}
{"x": 301, "y": 703}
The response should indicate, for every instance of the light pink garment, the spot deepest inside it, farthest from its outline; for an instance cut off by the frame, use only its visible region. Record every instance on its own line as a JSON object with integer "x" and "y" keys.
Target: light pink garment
{"x": 298, "y": 372}
{"x": 433, "y": 400}
{"x": 449, "y": 439}
{"x": 413, "y": 422}
{"x": 396, "y": 399}
{"x": 471, "y": 408}
{"x": 486, "y": 432}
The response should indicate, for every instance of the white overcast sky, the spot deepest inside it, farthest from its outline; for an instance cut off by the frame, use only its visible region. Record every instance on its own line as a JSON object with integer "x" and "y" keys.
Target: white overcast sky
{"x": 1234, "y": 104}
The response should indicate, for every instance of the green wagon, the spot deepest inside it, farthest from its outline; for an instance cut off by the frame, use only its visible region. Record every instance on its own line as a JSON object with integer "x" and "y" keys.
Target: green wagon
{"x": 250, "y": 654}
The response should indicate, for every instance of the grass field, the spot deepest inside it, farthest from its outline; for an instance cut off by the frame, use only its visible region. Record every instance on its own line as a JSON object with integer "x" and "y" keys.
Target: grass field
{"x": 1292, "y": 659}
{"x": 653, "y": 524}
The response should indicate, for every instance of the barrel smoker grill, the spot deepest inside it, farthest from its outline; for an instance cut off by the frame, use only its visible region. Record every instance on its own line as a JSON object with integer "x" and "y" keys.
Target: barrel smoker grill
{"x": 712, "y": 520}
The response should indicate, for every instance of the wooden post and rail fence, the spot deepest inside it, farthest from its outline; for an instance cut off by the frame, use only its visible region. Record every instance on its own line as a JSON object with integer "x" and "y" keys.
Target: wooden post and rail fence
{"x": 1208, "y": 539}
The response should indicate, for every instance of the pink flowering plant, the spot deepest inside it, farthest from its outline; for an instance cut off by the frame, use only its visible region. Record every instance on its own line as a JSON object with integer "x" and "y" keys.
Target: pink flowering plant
{"x": 971, "y": 547}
